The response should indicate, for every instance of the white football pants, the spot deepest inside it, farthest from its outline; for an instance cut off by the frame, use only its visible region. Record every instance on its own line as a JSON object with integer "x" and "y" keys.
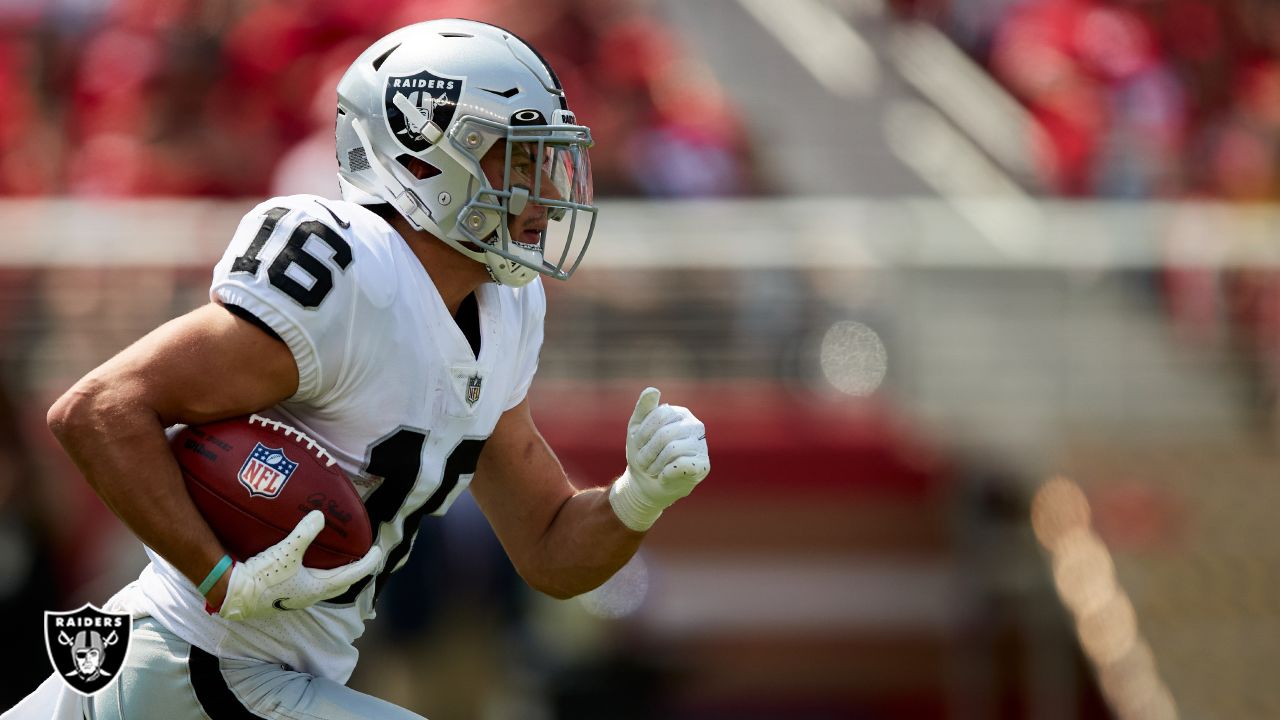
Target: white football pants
{"x": 166, "y": 677}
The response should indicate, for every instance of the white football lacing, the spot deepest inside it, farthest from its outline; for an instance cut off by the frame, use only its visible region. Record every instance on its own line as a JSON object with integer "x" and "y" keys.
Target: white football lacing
{"x": 316, "y": 448}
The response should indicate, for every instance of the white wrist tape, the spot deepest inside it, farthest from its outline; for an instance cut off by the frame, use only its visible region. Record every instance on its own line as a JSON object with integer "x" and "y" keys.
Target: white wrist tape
{"x": 632, "y": 506}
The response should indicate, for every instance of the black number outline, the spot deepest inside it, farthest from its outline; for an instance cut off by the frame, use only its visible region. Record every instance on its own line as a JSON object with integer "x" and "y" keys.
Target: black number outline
{"x": 249, "y": 262}
{"x": 398, "y": 455}
{"x": 294, "y": 253}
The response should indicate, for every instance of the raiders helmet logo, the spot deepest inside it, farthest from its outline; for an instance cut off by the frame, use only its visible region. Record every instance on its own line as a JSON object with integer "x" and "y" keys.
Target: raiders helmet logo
{"x": 414, "y": 102}
{"x": 87, "y": 646}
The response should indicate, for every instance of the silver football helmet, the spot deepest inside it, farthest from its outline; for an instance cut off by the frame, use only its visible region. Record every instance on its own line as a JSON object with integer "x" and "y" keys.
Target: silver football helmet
{"x": 420, "y": 108}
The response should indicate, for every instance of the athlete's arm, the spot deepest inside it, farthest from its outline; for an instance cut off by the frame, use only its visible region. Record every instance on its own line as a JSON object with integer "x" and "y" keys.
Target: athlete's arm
{"x": 563, "y": 541}
{"x": 206, "y": 365}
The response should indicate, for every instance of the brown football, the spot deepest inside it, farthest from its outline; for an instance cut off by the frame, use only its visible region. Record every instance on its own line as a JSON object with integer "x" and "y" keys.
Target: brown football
{"x": 253, "y": 479}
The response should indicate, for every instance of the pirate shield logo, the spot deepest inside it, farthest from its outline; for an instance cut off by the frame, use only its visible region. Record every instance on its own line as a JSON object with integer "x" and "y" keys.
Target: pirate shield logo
{"x": 416, "y": 101}
{"x": 87, "y": 646}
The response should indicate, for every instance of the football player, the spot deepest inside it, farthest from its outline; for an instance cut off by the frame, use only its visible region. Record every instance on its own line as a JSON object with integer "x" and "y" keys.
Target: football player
{"x": 400, "y": 327}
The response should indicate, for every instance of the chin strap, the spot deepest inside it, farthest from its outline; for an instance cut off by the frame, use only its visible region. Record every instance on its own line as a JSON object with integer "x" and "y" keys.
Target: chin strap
{"x": 405, "y": 200}
{"x": 507, "y": 272}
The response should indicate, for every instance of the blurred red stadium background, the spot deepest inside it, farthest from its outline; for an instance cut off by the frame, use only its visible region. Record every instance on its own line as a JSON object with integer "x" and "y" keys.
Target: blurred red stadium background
{"x": 893, "y": 352}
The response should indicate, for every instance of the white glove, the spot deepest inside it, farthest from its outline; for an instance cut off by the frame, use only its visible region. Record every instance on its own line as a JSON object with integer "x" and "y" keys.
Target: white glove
{"x": 275, "y": 579}
{"x": 666, "y": 458}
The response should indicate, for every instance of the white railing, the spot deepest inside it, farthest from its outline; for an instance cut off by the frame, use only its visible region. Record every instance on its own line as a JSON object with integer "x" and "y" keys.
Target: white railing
{"x": 813, "y": 233}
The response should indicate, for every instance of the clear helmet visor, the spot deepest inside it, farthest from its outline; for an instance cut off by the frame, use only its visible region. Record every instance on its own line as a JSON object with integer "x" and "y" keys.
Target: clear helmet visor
{"x": 540, "y": 183}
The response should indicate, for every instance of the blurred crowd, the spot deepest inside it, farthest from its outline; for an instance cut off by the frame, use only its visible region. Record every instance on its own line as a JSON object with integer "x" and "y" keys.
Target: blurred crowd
{"x": 235, "y": 98}
{"x": 1156, "y": 99}
{"x": 1137, "y": 98}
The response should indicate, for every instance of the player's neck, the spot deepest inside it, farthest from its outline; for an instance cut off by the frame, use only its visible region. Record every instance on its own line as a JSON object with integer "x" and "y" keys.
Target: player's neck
{"x": 455, "y": 275}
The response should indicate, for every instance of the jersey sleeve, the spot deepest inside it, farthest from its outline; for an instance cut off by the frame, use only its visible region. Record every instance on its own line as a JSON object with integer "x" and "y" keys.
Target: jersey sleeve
{"x": 296, "y": 273}
{"x": 533, "y": 305}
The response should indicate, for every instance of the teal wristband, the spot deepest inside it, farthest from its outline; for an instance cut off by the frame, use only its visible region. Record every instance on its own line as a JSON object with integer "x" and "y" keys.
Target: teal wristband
{"x": 215, "y": 574}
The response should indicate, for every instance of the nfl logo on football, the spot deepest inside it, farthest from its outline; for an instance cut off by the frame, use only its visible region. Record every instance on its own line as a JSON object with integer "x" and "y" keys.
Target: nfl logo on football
{"x": 265, "y": 471}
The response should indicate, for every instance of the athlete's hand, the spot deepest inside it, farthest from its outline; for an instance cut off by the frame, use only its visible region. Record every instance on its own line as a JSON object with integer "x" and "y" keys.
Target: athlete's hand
{"x": 666, "y": 459}
{"x": 275, "y": 579}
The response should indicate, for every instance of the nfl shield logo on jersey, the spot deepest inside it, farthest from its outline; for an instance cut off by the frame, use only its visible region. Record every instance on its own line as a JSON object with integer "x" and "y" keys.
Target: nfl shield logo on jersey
{"x": 266, "y": 470}
{"x": 473, "y": 389}
{"x": 87, "y": 646}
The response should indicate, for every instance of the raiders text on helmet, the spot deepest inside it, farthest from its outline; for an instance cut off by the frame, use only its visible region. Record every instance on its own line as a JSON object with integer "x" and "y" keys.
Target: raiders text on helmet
{"x": 443, "y": 93}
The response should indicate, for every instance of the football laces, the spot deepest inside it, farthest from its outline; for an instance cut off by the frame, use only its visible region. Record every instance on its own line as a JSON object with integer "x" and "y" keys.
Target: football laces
{"x": 289, "y": 431}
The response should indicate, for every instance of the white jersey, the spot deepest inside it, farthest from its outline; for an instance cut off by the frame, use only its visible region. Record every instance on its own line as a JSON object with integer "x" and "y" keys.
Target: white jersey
{"x": 388, "y": 383}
